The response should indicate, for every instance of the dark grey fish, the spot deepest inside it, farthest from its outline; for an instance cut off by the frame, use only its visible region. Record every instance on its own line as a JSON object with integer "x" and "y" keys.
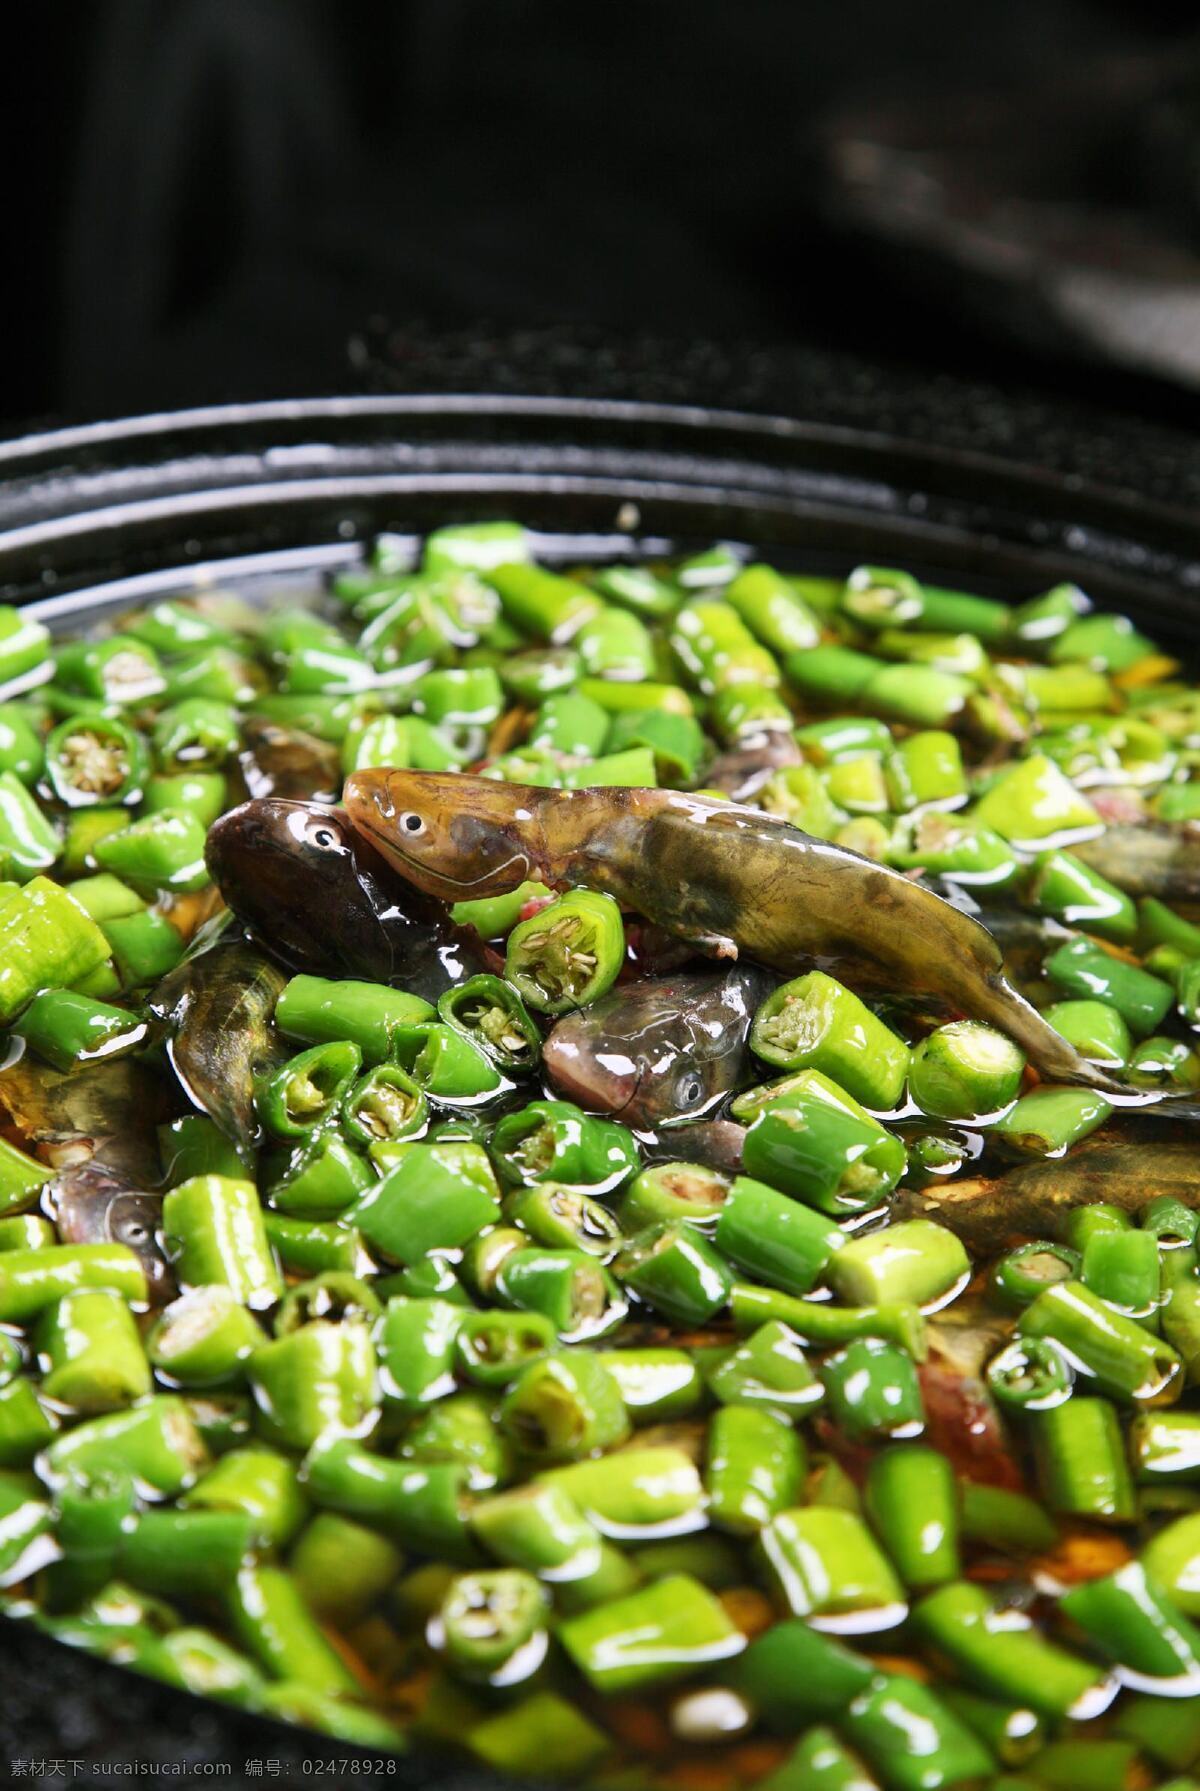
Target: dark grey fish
{"x": 655, "y": 1054}
{"x": 104, "y": 1111}
{"x": 314, "y": 892}
{"x": 90, "y": 1204}
{"x": 216, "y": 1010}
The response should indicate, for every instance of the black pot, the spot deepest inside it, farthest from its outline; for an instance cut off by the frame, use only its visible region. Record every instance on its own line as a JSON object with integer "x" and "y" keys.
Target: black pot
{"x": 93, "y": 519}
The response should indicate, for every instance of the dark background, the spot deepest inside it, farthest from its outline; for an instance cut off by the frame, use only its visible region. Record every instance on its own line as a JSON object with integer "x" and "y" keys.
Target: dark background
{"x": 214, "y": 198}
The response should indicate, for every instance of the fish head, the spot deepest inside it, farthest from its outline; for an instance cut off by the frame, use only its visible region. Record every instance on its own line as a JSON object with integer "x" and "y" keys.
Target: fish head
{"x": 294, "y": 873}
{"x": 270, "y": 834}
{"x": 643, "y": 1082}
{"x": 452, "y": 836}
{"x": 659, "y": 1053}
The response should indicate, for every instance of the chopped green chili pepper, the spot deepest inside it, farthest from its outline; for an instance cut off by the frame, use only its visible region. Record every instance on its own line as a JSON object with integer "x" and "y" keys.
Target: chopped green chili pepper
{"x": 565, "y": 1218}
{"x": 491, "y": 1348}
{"x": 1124, "y": 1270}
{"x": 1081, "y": 1462}
{"x": 491, "y": 1013}
{"x": 913, "y": 1740}
{"x": 294, "y": 1100}
{"x": 21, "y": 1176}
{"x": 488, "y": 1617}
{"x": 1084, "y": 969}
{"x": 676, "y": 1272}
{"x": 567, "y": 955}
{"x": 93, "y": 1356}
{"x": 569, "y": 1287}
{"x": 145, "y": 946}
{"x": 29, "y": 842}
{"x": 555, "y": 1141}
{"x": 964, "y": 1071}
{"x": 32, "y": 1280}
{"x": 447, "y": 1064}
{"x": 957, "y": 850}
{"x": 543, "y": 1734}
{"x": 164, "y": 851}
{"x": 419, "y": 1506}
{"x": 822, "y": 1153}
{"x": 1002, "y": 1653}
{"x": 325, "y": 1175}
{"x": 24, "y": 645}
{"x": 65, "y": 1027}
{"x": 767, "y": 1369}
{"x": 542, "y": 603}
{"x": 120, "y": 669}
{"x": 918, "y": 1261}
{"x": 660, "y": 1633}
{"x": 814, "y": 1022}
{"x": 755, "y": 1467}
{"x": 1130, "y": 1620}
{"x": 1125, "y": 1360}
{"x": 316, "y": 1011}
{"x": 259, "y": 1482}
{"x": 462, "y": 1429}
{"x": 26, "y": 1424}
{"x": 664, "y": 1192}
{"x": 270, "y": 1619}
{"x": 873, "y": 1390}
{"x": 156, "y": 1441}
{"x": 314, "y": 1382}
{"x": 1048, "y": 1121}
{"x": 1030, "y": 1375}
{"x": 416, "y": 1344}
{"x": 825, "y": 1324}
{"x": 1097, "y": 1031}
{"x": 213, "y": 1226}
{"x": 912, "y": 1503}
{"x": 768, "y": 1235}
{"x": 1022, "y": 1274}
{"x": 204, "y": 1338}
{"x": 824, "y": 1563}
{"x": 436, "y": 1198}
{"x": 96, "y": 759}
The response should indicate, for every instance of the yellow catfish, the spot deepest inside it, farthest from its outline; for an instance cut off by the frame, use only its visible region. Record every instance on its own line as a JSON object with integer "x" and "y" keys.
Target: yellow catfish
{"x": 728, "y": 879}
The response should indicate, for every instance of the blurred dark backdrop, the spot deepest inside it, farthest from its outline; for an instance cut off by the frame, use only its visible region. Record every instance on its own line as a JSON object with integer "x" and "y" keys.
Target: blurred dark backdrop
{"x": 213, "y": 197}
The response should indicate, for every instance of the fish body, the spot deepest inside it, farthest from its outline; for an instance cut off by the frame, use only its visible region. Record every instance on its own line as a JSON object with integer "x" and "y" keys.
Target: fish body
{"x": 729, "y": 880}
{"x": 1150, "y": 859}
{"x": 311, "y": 888}
{"x": 105, "y": 1111}
{"x": 661, "y": 1051}
{"x": 1035, "y": 1199}
{"x": 216, "y": 1010}
{"x": 712, "y": 1143}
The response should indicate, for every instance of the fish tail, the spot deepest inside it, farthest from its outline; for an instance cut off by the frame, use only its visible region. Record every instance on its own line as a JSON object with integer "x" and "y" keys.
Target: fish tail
{"x": 1051, "y": 1054}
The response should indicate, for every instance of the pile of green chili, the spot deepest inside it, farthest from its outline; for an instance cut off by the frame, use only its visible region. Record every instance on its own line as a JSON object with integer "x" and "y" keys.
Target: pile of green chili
{"x": 475, "y": 1419}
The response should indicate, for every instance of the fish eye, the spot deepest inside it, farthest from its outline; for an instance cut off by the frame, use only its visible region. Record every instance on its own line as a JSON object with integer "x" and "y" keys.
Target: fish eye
{"x": 324, "y": 836}
{"x": 689, "y": 1090}
{"x": 412, "y": 823}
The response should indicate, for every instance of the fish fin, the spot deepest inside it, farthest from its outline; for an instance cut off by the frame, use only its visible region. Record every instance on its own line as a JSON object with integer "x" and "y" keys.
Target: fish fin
{"x": 717, "y": 945}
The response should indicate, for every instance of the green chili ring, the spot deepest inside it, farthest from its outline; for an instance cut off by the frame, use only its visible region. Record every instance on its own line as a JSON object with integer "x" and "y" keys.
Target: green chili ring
{"x": 1030, "y": 1375}
{"x": 96, "y": 759}
{"x": 567, "y": 955}
{"x": 1027, "y": 1271}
